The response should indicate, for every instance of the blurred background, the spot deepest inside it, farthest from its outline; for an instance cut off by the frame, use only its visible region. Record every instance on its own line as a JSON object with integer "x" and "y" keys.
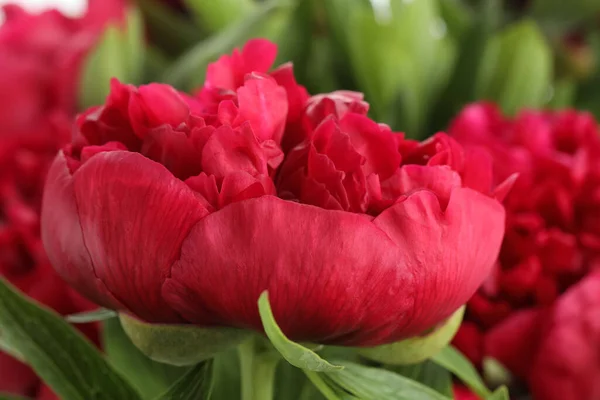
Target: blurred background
{"x": 68, "y": 7}
{"x": 417, "y": 61}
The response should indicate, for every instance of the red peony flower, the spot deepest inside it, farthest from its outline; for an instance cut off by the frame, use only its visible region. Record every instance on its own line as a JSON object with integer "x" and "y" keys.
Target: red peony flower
{"x": 538, "y": 312}
{"x": 183, "y": 210}
{"x": 40, "y": 57}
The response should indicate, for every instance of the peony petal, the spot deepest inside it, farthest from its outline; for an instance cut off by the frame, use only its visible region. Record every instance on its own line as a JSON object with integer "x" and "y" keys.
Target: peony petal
{"x": 297, "y": 95}
{"x": 206, "y": 186}
{"x": 336, "y": 104}
{"x": 377, "y": 146}
{"x": 230, "y": 150}
{"x": 45, "y": 393}
{"x": 259, "y": 55}
{"x": 440, "y": 179}
{"x": 329, "y": 274}
{"x": 228, "y": 71}
{"x": 16, "y": 377}
{"x": 451, "y": 252}
{"x": 63, "y": 237}
{"x": 477, "y": 171}
{"x": 567, "y": 365}
{"x": 124, "y": 198}
{"x": 462, "y": 393}
{"x": 173, "y": 149}
{"x": 89, "y": 151}
{"x": 240, "y": 186}
{"x": 154, "y": 105}
{"x": 263, "y": 103}
{"x": 110, "y": 122}
{"x": 515, "y": 341}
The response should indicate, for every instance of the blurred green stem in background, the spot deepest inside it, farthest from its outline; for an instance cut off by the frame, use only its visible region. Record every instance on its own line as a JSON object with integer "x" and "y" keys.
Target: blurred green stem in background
{"x": 401, "y": 56}
{"x": 188, "y": 72}
{"x": 216, "y": 15}
{"x": 418, "y": 62}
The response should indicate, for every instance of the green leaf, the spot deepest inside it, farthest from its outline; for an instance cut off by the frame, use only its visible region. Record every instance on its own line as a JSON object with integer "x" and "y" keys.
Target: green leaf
{"x": 59, "y": 354}
{"x": 326, "y": 387}
{"x": 402, "y": 62}
{"x": 10, "y": 350}
{"x": 101, "y": 64}
{"x": 559, "y": 15}
{"x": 133, "y": 46}
{"x": 459, "y": 365}
{"x": 418, "y": 348}
{"x": 218, "y": 15}
{"x": 169, "y": 30}
{"x": 149, "y": 377}
{"x": 189, "y": 71}
{"x": 428, "y": 373}
{"x": 563, "y": 93}
{"x": 99, "y": 314}
{"x": 196, "y": 384}
{"x": 119, "y": 54}
{"x": 456, "y": 15}
{"x": 294, "y": 353}
{"x": 380, "y": 384}
{"x": 516, "y": 68}
{"x": 500, "y": 394}
{"x": 180, "y": 345}
{"x": 472, "y": 43}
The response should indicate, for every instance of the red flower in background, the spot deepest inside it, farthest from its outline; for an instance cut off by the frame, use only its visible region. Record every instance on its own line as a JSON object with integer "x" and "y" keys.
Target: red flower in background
{"x": 40, "y": 57}
{"x": 462, "y": 393}
{"x": 183, "y": 210}
{"x": 538, "y": 313}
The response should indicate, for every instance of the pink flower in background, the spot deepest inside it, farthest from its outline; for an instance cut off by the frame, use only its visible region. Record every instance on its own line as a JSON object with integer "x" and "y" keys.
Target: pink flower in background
{"x": 183, "y": 210}
{"x": 462, "y": 393}
{"x": 538, "y": 313}
{"x": 24, "y": 162}
{"x": 40, "y": 58}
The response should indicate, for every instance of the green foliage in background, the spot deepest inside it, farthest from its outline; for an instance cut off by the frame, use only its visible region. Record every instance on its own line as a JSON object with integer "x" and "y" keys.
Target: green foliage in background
{"x": 418, "y": 62}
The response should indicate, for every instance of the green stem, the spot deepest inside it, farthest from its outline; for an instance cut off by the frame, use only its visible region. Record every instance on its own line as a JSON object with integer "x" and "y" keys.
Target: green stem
{"x": 320, "y": 384}
{"x": 246, "y": 352}
{"x": 264, "y": 375}
{"x": 257, "y": 371}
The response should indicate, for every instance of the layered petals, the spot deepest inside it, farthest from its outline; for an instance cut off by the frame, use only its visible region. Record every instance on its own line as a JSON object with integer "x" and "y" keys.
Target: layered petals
{"x": 184, "y": 210}
{"x": 537, "y": 314}
{"x": 567, "y": 365}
